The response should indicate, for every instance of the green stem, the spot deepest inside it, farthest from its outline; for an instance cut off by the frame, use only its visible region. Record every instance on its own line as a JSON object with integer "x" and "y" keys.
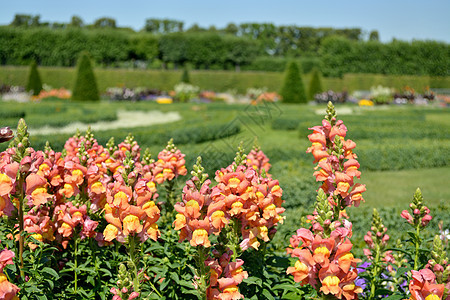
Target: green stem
{"x": 132, "y": 252}
{"x": 75, "y": 280}
{"x": 21, "y": 224}
{"x": 375, "y": 274}
{"x": 170, "y": 195}
{"x": 234, "y": 243}
{"x": 203, "y": 273}
{"x": 154, "y": 288}
{"x": 417, "y": 242}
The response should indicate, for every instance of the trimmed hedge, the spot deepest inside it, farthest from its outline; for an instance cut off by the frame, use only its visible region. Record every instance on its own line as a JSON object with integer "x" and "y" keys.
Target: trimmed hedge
{"x": 85, "y": 88}
{"x": 429, "y": 154}
{"x": 34, "y": 83}
{"x": 149, "y": 137}
{"x": 214, "y": 80}
{"x": 293, "y": 88}
{"x": 285, "y": 124}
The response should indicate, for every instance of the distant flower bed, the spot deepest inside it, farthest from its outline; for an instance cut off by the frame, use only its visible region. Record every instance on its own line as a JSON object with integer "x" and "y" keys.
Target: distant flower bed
{"x": 132, "y": 94}
{"x": 60, "y": 93}
{"x": 331, "y": 96}
{"x": 14, "y": 93}
{"x": 385, "y": 95}
{"x": 365, "y": 102}
{"x": 19, "y": 93}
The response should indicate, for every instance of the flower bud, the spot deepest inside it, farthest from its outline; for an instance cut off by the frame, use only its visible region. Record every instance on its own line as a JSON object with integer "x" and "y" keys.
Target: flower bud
{"x": 438, "y": 268}
{"x": 407, "y": 216}
{"x": 426, "y": 219}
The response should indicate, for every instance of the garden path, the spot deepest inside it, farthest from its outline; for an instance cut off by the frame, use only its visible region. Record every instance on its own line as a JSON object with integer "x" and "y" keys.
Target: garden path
{"x": 125, "y": 119}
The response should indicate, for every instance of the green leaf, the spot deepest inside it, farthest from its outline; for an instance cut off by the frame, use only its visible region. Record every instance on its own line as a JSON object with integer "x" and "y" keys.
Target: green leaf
{"x": 291, "y": 296}
{"x": 51, "y": 272}
{"x": 395, "y": 297}
{"x": 106, "y": 271}
{"x": 399, "y": 250}
{"x": 254, "y": 280}
{"x": 268, "y": 295}
{"x": 285, "y": 287}
{"x": 403, "y": 270}
{"x": 175, "y": 277}
{"x": 382, "y": 291}
{"x": 50, "y": 283}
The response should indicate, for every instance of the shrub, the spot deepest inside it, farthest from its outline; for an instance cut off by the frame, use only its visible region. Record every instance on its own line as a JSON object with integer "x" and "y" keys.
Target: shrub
{"x": 293, "y": 90}
{"x": 85, "y": 84}
{"x": 34, "y": 80}
{"x": 315, "y": 85}
{"x": 185, "y": 76}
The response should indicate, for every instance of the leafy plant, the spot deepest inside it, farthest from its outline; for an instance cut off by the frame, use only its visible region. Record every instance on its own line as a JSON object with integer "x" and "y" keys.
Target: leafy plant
{"x": 34, "y": 80}
{"x": 85, "y": 88}
{"x": 293, "y": 90}
{"x": 315, "y": 85}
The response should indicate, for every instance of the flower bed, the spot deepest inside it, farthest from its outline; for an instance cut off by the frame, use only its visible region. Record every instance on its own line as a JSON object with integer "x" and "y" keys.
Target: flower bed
{"x": 109, "y": 221}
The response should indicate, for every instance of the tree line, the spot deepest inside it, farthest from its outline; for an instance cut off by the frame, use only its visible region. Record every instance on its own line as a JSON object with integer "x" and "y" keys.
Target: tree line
{"x": 164, "y": 43}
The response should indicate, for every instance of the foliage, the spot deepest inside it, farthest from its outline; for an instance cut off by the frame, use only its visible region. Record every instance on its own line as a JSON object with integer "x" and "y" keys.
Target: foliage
{"x": 185, "y": 91}
{"x": 340, "y": 56}
{"x": 248, "y": 46}
{"x": 381, "y": 95}
{"x": 34, "y": 80}
{"x": 85, "y": 88}
{"x": 185, "y": 75}
{"x": 293, "y": 89}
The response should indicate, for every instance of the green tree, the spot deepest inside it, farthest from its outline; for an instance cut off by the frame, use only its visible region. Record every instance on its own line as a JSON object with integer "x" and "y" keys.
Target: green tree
{"x": 105, "y": 23}
{"x": 185, "y": 76}
{"x": 374, "y": 36}
{"x": 26, "y": 20}
{"x": 315, "y": 85}
{"x": 293, "y": 90}
{"x": 85, "y": 85}
{"x": 76, "y": 21}
{"x": 34, "y": 80}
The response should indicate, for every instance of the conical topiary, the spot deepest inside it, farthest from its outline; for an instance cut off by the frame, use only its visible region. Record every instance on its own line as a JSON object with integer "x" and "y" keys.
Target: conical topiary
{"x": 185, "y": 76}
{"x": 85, "y": 88}
{"x": 34, "y": 80}
{"x": 293, "y": 90}
{"x": 315, "y": 85}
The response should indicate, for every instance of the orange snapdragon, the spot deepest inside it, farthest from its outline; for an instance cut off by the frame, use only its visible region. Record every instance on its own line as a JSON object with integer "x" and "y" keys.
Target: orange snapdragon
{"x": 323, "y": 250}
{"x": 170, "y": 164}
{"x": 423, "y": 285}
{"x": 258, "y": 160}
{"x": 337, "y": 164}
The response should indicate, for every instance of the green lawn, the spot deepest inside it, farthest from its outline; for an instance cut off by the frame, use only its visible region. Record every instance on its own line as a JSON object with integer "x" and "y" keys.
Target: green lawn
{"x": 392, "y": 188}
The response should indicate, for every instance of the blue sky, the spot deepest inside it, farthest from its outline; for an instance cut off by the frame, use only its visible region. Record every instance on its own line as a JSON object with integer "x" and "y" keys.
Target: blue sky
{"x": 404, "y": 20}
